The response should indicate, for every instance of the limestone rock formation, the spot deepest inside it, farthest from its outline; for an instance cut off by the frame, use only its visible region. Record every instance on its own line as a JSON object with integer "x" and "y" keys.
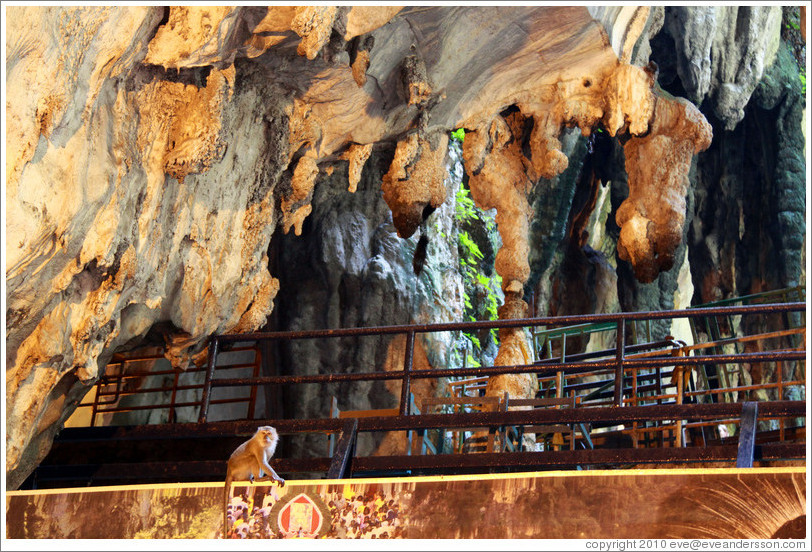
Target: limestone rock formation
{"x": 720, "y": 255}
{"x": 715, "y": 63}
{"x": 157, "y": 159}
{"x": 349, "y": 268}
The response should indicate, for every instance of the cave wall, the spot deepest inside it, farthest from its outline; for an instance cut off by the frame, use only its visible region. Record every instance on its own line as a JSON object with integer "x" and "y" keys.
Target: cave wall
{"x": 349, "y": 268}
{"x": 748, "y": 225}
{"x": 748, "y": 232}
{"x": 745, "y": 228}
{"x": 174, "y": 173}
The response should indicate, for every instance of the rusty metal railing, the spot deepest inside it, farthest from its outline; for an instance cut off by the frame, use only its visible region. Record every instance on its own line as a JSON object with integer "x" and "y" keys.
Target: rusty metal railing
{"x": 572, "y": 384}
{"x": 633, "y": 402}
{"x": 628, "y": 375}
{"x": 120, "y": 383}
{"x": 620, "y": 363}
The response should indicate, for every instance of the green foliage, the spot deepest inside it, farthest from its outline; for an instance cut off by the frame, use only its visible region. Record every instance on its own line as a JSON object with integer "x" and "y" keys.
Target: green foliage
{"x": 473, "y": 253}
{"x": 458, "y": 134}
{"x": 476, "y": 283}
{"x": 466, "y": 210}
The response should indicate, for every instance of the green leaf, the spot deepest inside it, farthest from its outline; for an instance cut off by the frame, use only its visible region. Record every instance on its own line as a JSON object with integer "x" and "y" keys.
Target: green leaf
{"x": 470, "y": 248}
{"x": 474, "y": 340}
{"x": 458, "y": 134}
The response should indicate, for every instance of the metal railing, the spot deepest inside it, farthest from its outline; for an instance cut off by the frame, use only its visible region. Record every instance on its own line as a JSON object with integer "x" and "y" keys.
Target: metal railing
{"x": 630, "y": 375}
{"x": 618, "y": 365}
{"x": 723, "y": 331}
{"x": 120, "y": 387}
{"x": 650, "y": 384}
{"x": 630, "y": 404}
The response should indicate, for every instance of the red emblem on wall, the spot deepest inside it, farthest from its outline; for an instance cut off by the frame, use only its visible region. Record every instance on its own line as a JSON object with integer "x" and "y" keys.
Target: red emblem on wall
{"x": 302, "y": 516}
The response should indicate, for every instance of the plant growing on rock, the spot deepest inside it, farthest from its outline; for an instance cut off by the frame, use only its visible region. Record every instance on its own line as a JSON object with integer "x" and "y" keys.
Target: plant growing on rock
{"x": 482, "y": 292}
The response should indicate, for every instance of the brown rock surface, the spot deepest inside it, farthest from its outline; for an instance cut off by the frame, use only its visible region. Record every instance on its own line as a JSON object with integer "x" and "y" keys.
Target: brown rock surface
{"x": 651, "y": 219}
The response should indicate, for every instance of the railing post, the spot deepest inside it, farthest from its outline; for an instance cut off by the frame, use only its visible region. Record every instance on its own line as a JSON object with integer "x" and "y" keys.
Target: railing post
{"x": 779, "y": 372}
{"x": 620, "y": 344}
{"x": 206, "y": 398}
{"x": 679, "y": 371}
{"x": 682, "y": 374}
{"x": 252, "y": 397}
{"x": 559, "y": 377}
{"x": 747, "y": 435}
{"x": 95, "y": 408}
{"x": 174, "y": 397}
{"x": 344, "y": 450}
{"x": 407, "y": 368}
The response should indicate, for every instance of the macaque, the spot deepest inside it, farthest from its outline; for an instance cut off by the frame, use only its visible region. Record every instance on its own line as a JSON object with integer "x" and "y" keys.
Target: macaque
{"x": 249, "y": 461}
{"x": 419, "y": 259}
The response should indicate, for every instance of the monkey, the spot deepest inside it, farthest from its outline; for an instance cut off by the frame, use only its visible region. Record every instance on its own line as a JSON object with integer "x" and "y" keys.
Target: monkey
{"x": 419, "y": 258}
{"x": 248, "y": 462}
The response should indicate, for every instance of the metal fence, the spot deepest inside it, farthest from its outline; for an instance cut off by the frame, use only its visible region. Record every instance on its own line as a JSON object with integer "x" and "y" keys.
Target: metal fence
{"x": 630, "y": 375}
{"x": 618, "y": 365}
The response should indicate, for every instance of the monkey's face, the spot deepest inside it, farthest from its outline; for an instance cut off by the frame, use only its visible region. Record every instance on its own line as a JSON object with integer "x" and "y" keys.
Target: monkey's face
{"x": 268, "y": 434}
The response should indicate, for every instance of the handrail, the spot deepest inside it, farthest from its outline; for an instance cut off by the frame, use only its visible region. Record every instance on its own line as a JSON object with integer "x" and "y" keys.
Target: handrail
{"x": 568, "y": 367}
{"x": 618, "y": 366}
{"x": 783, "y": 293}
{"x": 620, "y": 363}
{"x": 771, "y": 409}
{"x": 108, "y": 402}
{"x": 514, "y": 322}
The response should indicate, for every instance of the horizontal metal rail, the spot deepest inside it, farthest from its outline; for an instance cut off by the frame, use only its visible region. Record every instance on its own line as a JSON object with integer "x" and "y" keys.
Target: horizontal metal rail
{"x": 621, "y": 362}
{"x": 771, "y": 409}
{"x": 176, "y": 405}
{"x": 572, "y": 458}
{"x": 567, "y": 367}
{"x": 515, "y": 323}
